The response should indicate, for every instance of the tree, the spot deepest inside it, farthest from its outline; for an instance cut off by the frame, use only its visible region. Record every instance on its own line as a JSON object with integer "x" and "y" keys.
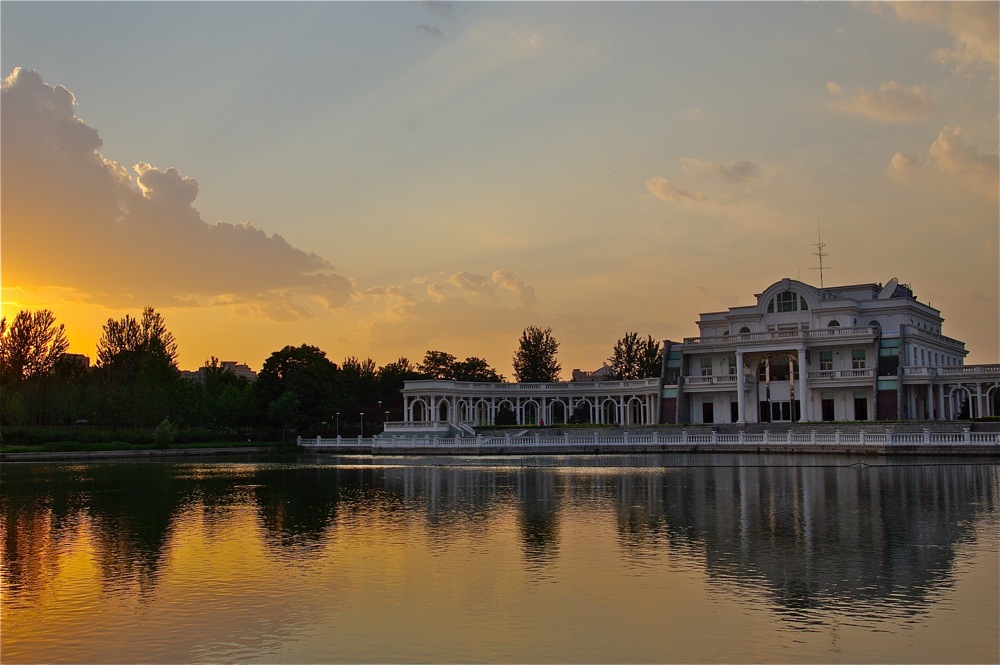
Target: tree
{"x": 297, "y": 387}
{"x": 441, "y": 365}
{"x": 31, "y": 345}
{"x": 634, "y": 358}
{"x": 535, "y": 360}
{"x": 129, "y": 337}
{"x": 475, "y": 369}
{"x": 437, "y": 365}
{"x": 138, "y": 362}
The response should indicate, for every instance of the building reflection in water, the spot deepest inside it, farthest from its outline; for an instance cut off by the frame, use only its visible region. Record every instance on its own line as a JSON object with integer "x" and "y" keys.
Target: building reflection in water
{"x": 871, "y": 539}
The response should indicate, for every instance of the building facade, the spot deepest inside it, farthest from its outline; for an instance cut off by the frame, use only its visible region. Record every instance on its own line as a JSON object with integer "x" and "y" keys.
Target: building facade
{"x": 807, "y": 354}
{"x": 799, "y": 354}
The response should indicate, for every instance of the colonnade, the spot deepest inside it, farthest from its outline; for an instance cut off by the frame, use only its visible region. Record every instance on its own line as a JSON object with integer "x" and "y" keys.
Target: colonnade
{"x": 600, "y": 403}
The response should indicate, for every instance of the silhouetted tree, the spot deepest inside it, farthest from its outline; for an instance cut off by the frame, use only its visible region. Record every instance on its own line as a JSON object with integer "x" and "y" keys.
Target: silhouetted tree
{"x": 31, "y": 345}
{"x": 634, "y": 358}
{"x": 297, "y": 387}
{"x": 535, "y": 360}
{"x": 137, "y": 360}
{"x": 437, "y": 365}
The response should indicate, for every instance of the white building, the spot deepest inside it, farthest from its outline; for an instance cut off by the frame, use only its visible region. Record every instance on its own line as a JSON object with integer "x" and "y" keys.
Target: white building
{"x": 868, "y": 351}
{"x": 799, "y": 354}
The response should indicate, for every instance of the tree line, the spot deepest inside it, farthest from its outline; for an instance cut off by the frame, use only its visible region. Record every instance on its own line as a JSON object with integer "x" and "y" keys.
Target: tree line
{"x": 135, "y": 381}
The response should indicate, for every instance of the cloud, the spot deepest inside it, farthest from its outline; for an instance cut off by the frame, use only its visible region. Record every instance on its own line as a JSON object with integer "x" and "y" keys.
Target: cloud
{"x": 464, "y": 284}
{"x": 75, "y": 219}
{"x": 721, "y": 177}
{"x": 903, "y": 166}
{"x": 429, "y": 31}
{"x": 892, "y": 102}
{"x": 665, "y": 190}
{"x": 973, "y": 27}
{"x": 950, "y": 154}
{"x": 733, "y": 172}
{"x": 511, "y": 281}
{"x": 472, "y": 283}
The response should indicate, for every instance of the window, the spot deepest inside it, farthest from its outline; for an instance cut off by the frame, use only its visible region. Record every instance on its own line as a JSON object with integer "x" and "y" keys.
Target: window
{"x": 833, "y": 324}
{"x": 858, "y": 357}
{"x": 706, "y": 367}
{"x": 744, "y": 330}
{"x": 732, "y": 365}
{"x": 825, "y": 361}
{"x": 787, "y": 301}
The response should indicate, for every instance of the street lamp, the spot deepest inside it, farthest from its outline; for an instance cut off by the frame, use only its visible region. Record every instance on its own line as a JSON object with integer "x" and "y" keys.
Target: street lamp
{"x": 338, "y": 424}
{"x": 362, "y": 424}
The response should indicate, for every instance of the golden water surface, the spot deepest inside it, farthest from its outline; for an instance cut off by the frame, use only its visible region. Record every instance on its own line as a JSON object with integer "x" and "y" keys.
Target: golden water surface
{"x": 640, "y": 559}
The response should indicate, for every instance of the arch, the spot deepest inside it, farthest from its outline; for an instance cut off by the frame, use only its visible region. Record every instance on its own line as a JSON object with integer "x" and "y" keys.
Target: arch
{"x": 992, "y": 401}
{"x": 481, "y": 412}
{"x": 609, "y": 411}
{"x": 583, "y": 412}
{"x": 418, "y": 411}
{"x": 557, "y": 412}
{"x": 834, "y": 323}
{"x": 744, "y": 330}
{"x": 529, "y": 412}
{"x": 769, "y": 303}
{"x": 444, "y": 411}
{"x": 963, "y": 402}
{"x": 505, "y": 414}
{"x": 635, "y": 411}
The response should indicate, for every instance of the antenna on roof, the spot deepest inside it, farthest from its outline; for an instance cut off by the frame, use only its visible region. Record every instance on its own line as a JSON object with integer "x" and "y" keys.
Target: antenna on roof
{"x": 820, "y": 253}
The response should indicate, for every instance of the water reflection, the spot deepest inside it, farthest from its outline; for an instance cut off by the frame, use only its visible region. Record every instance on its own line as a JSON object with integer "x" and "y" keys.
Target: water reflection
{"x": 869, "y": 541}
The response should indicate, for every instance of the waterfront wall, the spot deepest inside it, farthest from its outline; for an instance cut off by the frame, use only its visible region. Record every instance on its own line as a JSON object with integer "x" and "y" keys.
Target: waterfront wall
{"x": 855, "y": 441}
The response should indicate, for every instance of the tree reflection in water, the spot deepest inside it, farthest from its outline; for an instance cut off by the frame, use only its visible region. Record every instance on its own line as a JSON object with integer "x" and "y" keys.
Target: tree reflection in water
{"x": 870, "y": 539}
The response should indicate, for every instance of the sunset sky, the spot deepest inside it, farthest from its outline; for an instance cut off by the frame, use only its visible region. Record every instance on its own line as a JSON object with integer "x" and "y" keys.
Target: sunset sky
{"x": 378, "y": 179}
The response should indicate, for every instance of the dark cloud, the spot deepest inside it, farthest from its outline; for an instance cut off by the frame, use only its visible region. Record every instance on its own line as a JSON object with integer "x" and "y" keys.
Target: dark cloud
{"x": 429, "y": 31}
{"x": 74, "y": 219}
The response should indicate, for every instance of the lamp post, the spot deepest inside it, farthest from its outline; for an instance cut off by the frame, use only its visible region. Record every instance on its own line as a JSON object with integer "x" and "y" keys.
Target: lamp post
{"x": 338, "y": 424}
{"x": 362, "y": 424}
{"x": 380, "y": 408}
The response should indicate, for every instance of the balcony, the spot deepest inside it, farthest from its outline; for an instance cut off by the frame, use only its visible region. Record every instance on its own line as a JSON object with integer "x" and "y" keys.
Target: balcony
{"x": 787, "y": 337}
{"x": 815, "y": 378}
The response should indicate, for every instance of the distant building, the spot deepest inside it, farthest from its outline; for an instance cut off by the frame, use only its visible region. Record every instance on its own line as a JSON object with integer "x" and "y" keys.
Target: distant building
{"x": 231, "y": 366}
{"x": 603, "y": 373}
{"x": 77, "y": 359}
{"x": 799, "y": 354}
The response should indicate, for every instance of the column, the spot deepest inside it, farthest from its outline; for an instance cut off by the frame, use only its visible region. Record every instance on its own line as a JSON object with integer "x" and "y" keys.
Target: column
{"x": 931, "y": 407}
{"x": 740, "y": 380}
{"x": 803, "y": 392}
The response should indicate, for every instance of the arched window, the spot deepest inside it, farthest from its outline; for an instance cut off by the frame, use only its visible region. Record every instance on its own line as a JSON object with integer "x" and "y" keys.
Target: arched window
{"x": 787, "y": 301}
{"x": 833, "y": 324}
{"x": 744, "y": 330}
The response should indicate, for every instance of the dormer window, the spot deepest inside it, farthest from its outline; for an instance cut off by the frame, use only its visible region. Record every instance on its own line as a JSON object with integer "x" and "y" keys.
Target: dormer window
{"x": 787, "y": 301}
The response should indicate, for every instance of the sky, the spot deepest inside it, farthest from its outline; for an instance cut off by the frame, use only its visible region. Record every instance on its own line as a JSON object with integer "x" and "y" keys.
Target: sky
{"x": 378, "y": 179}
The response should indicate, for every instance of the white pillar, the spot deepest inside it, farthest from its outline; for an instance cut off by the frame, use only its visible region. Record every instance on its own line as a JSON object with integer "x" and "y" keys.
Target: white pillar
{"x": 803, "y": 392}
{"x": 740, "y": 380}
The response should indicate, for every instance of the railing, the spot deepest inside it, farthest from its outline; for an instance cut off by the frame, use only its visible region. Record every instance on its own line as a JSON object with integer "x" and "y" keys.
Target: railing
{"x": 419, "y": 425}
{"x": 711, "y": 379}
{"x": 834, "y": 374}
{"x": 432, "y": 385}
{"x": 684, "y": 438}
{"x": 782, "y": 335}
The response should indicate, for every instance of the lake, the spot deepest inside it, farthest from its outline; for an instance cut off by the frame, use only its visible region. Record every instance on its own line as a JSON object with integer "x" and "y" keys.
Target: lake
{"x": 645, "y": 558}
